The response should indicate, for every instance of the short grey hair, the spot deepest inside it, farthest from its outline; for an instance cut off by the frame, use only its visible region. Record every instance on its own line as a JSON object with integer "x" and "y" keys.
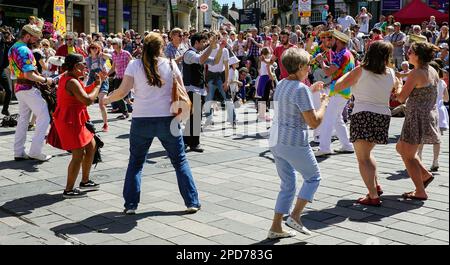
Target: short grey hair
{"x": 118, "y": 41}
{"x": 415, "y": 27}
{"x": 295, "y": 58}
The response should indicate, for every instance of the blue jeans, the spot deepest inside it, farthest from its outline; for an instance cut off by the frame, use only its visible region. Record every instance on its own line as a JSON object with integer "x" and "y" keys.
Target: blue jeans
{"x": 210, "y": 97}
{"x": 142, "y": 133}
{"x": 289, "y": 159}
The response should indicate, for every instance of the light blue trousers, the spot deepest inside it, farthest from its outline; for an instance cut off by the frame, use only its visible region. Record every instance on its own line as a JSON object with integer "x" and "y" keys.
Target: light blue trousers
{"x": 288, "y": 160}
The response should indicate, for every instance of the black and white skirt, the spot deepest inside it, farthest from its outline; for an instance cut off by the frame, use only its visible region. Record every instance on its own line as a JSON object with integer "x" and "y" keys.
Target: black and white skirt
{"x": 369, "y": 126}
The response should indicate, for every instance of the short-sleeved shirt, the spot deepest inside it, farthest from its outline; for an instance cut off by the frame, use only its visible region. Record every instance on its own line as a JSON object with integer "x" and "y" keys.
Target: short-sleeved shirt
{"x": 219, "y": 67}
{"x": 345, "y": 62}
{"x": 291, "y": 99}
{"x": 121, "y": 61}
{"x": 172, "y": 52}
{"x": 398, "y": 36}
{"x": 192, "y": 56}
{"x": 254, "y": 49}
{"x": 21, "y": 60}
{"x": 279, "y": 53}
{"x": 152, "y": 101}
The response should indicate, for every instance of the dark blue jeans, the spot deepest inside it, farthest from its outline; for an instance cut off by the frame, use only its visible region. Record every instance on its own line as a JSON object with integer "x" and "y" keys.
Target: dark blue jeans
{"x": 142, "y": 133}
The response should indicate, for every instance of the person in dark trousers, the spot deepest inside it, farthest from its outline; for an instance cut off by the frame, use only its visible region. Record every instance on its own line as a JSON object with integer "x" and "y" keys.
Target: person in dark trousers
{"x": 194, "y": 81}
{"x": 5, "y": 44}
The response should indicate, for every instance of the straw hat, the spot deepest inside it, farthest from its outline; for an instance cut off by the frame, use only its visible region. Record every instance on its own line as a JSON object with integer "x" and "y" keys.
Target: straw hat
{"x": 341, "y": 36}
{"x": 326, "y": 33}
{"x": 34, "y": 30}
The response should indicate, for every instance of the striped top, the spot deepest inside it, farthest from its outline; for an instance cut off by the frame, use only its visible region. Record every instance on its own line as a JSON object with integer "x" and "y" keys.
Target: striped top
{"x": 290, "y": 100}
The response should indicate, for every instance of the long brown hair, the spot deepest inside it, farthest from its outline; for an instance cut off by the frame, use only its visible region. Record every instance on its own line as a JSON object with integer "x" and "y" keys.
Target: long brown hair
{"x": 377, "y": 57}
{"x": 153, "y": 44}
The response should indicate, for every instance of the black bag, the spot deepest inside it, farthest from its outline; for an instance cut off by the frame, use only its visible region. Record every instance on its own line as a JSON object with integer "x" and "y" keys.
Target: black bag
{"x": 10, "y": 121}
{"x": 98, "y": 144}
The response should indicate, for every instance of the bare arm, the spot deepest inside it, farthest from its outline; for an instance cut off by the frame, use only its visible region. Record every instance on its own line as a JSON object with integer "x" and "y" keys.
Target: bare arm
{"x": 123, "y": 90}
{"x": 348, "y": 80}
{"x": 446, "y": 97}
{"x": 208, "y": 51}
{"x": 113, "y": 69}
{"x": 411, "y": 83}
{"x": 312, "y": 117}
{"x": 74, "y": 87}
{"x": 32, "y": 76}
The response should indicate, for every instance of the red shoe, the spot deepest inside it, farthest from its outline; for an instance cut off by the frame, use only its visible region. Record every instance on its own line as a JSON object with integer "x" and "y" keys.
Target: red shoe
{"x": 105, "y": 128}
{"x": 368, "y": 201}
{"x": 379, "y": 190}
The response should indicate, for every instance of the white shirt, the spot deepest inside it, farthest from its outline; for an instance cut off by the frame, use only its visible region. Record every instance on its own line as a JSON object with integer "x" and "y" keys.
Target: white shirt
{"x": 232, "y": 78}
{"x": 152, "y": 101}
{"x": 372, "y": 92}
{"x": 263, "y": 69}
{"x": 346, "y": 22}
{"x": 220, "y": 67}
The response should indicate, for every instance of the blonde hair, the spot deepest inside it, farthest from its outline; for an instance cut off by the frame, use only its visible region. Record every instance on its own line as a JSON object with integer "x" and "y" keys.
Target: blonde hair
{"x": 153, "y": 44}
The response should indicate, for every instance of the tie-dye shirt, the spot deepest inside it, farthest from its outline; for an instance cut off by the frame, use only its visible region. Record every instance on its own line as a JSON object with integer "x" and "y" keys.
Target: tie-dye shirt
{"x": 21, "y": 60}
{"x": 345, "y": 61}
{"x": 316, "y": 51}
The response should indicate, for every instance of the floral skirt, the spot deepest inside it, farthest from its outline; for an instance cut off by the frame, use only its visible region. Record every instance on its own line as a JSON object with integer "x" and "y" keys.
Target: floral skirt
{"x": 369, "y": 126}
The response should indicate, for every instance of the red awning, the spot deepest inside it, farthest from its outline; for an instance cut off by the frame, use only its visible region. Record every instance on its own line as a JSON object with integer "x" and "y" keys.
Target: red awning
{"x": 417, "y": 12}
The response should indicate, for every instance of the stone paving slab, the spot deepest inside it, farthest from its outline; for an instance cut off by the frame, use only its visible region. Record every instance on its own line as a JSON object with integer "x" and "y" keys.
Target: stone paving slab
{"x": 238, "y": 184}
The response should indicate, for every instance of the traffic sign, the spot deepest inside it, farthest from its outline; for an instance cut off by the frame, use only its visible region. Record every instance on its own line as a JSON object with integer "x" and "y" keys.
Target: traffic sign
{"x": 204, "y": 7}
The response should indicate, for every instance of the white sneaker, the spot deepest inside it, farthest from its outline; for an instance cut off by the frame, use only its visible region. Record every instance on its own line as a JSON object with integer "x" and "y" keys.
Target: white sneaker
{"x": 192, "y": 209}
{"x": 296, "y": 226}
{"x": 209, "y": 123}
{"x": 129, "y": 211}
{"x": 41, "y": 157}
{"x": 316, "y": 140}
{"x": 345, "y": 150}
{"x": 320, "y": 153}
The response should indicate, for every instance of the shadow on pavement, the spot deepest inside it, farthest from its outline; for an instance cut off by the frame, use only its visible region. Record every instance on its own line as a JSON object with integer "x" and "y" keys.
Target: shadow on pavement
{"x": 348, "y": 209}
{"x": 26, "y": 165}
{"x": 399, "y": 174}
{"x": 7, "y": 133}
{"x": 26, "y": 205}
{"x": 109, "y": 223}
{"x": 275, "y": 241}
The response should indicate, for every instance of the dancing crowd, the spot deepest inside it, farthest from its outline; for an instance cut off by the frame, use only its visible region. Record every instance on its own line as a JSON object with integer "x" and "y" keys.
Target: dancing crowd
{"x": 328, "y": 77}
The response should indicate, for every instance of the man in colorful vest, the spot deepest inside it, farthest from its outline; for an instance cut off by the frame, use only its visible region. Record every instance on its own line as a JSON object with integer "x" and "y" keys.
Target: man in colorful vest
{"x": 23, "y": 69}
{"x": 342, "y": 63}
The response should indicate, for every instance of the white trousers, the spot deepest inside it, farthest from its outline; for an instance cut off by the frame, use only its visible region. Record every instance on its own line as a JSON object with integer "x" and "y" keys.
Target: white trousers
{"x": 333, "y": 121}
{"x": 31, "y": 101}
{"x": 316, "y": 103}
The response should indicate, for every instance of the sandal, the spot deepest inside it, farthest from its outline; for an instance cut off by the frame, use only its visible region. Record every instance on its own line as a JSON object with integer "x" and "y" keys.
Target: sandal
{"x": 428, "y": 181}
{"x": 409, "y": 195}
{"x": 369, "y": 201}
{"x": 123, "y": 116}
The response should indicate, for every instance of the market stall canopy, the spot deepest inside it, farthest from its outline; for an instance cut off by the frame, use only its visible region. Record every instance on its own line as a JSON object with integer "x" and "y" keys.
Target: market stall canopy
{"x": 417, "y": 12}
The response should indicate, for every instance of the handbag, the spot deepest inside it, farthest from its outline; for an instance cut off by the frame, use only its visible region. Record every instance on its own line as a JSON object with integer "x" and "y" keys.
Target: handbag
{"x": 53, "y": 137}
{"x": 181, "y": 104}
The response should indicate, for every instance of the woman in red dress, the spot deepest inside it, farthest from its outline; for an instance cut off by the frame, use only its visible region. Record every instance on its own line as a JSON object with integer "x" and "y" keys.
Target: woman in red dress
{"x": 70, "y": 122}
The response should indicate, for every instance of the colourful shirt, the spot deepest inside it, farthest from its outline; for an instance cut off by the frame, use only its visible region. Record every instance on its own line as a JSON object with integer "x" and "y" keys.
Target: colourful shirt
{"x": 21, "y": 60}
{"x": 70, "y": 50}
{"x": 345, "y": 62}
{"x": 121, "y": 61}
{"x": 279, "y": 53}
{"x": 316, "y": 51}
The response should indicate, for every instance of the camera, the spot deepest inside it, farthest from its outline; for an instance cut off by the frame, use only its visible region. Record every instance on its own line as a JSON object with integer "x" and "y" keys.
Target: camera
{"x": 365, "y": 37}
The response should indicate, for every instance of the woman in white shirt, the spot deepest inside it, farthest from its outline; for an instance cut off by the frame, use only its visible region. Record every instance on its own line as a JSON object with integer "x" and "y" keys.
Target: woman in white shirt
{"x": 152, "y": 78}
{"x": 371, "y": 84}
{"x": 363, "y": 19}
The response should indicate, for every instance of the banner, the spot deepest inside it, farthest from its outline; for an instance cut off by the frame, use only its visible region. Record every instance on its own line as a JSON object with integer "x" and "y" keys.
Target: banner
{"x": 59, "y": 16}
{"x": 304, "y": 8}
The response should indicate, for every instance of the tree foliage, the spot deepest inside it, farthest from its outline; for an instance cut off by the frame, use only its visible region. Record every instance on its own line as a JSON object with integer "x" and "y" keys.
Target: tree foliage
{"x": 216, "y": 6}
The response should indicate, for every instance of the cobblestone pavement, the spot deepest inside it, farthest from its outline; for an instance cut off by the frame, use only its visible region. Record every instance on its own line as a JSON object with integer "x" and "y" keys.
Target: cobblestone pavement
{"x": 237, "y": 183}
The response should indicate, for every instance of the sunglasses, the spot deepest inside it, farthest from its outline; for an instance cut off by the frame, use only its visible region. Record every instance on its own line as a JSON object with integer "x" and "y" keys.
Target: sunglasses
{"x": 68, "y": 39}
{"x": 45, "y": 45}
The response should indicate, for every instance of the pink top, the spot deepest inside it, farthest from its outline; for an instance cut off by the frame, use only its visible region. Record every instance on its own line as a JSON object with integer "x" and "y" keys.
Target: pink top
{"x": 121, "y": 61}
